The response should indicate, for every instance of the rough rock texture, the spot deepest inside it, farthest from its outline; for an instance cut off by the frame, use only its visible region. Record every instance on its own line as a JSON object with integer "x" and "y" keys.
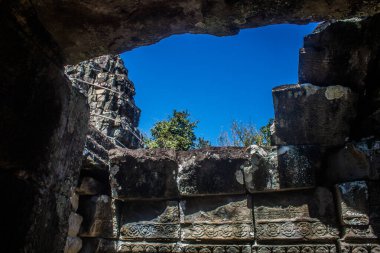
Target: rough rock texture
{"x": 347, "y": 53}
{"x": 212, "y": 171}
{"x": 87, "y": 29}
{"x": 355, "y": 161}
{"x": 110, "y": 96}
{"x": 139, "y": 174}
{"x": 329, "y": 128}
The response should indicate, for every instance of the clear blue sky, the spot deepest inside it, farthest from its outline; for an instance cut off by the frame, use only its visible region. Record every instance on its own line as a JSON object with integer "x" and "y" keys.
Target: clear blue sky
{"x": 217, "y": 79}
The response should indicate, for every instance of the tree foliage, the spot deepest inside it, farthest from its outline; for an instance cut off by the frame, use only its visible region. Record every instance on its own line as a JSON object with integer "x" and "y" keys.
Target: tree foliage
{"x": 175, "y": 133}
{"x": 246, "y": 134}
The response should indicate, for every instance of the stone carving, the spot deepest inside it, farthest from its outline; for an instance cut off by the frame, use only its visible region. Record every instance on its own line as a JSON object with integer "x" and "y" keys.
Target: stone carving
{"x": 143, "y": 174}
{"x": 290, "y": 101}
{"x": 217, "y": 218}
{"x": 308, "y": 215}
{"x": 296, "y": 248}
{"x": 359, "y": 248}
{"x": 150, "y": 220}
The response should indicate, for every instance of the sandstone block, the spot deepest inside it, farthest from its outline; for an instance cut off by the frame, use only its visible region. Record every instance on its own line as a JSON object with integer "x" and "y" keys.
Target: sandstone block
{"x": 213, "y": 171}
{"x": 75, "y": 220}
{"x": 357, "y": 247}
{"x": 150, "y": 220}
{"x": 285, "y": 168}
{"x": 289, "y": 216}
{"x": 143, "y": 174}
{"x": 217, "y": 218}
{"x": 99, "y": 216}
{"x": 355, "y": 161}
{"x": 73, "y": 245}
{"x": 295, "y": 248}
{"x": 306, "y": 114}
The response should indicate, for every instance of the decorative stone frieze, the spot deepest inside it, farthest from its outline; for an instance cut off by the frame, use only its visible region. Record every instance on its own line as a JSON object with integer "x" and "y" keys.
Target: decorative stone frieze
{"x": 227, "y": 218}
{"x": 287, "y": 216}
{"x": 359, "y": 248}
{"x": 150, "y": 220}
{"x": 295, "y": 248}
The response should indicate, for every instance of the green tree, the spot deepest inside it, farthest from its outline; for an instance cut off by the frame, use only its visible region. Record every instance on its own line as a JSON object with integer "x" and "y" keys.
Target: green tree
{"x": 245, "y": 134}
{"x": 176, "y": 133}
{"x": 202, "y": 143}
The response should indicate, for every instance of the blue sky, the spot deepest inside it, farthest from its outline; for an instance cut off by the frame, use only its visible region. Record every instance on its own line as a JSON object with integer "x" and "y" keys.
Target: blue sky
{"x": 217, "y": 79}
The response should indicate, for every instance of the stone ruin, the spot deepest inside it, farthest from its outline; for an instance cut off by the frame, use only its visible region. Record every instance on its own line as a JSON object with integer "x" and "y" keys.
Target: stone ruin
{"x": 316, "y": 190}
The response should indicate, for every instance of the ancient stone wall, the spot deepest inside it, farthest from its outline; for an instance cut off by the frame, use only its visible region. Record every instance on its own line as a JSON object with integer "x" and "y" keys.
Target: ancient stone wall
{"x": 315, "y": 191}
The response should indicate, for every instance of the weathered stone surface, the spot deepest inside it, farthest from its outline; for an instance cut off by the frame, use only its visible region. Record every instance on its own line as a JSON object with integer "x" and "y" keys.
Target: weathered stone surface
{"x": 79, "y": 28}
{"x": 285, "y": 168}
{"x": 212, "y": 171}
{"x": 262, "y": 173}
{"x": 353, "y": 203}
{"x": 357, "y": 247}
{"x": 150, "y": 220}
{"x": 217, "y": 218}
{"x": 73, "y": 245}
{"x": 99, "y": 217}
{"x": 296, "y": 120}
{"x": 308, "y": 216}
{"x": 107, "y": 246}
{"x": 295, "y": 248}
{"x": 110, "y": 95}
{"x": 353, "y": 206}
{"x": 75, "y": 220}
{"x": 143, "y": 174}
{"x": 355, "y": 161}
{"x": 342, "y": 53}
{"x": 90, "y": 186}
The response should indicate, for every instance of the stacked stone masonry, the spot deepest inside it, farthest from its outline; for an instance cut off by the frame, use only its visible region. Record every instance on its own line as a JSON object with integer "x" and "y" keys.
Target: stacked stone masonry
{"x": 315, "y": 191}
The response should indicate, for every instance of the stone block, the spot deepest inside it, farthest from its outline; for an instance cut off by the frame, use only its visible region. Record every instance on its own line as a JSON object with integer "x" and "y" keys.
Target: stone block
{"x": 99, "y": 217}
{"x": 353, "y": 203}
{"x": 150, "y": 220}
{"x": 143, "y": 174}
{"x": 292, "y": 216}
{"x": 354, "y": 211}
{"x": 285, "y": 168}
{"x": 212, "y": 171}
{"x": 358, "y": 248}
{"x": 307, "y": 114}
{"x": 73, "y": 245}
{"x": 355, "y": 161}
{"x": 217, "y": 218}
{"x": 199, "y": 248}
{"x": 75, "y": 220}
{"x": 295, "y": 248}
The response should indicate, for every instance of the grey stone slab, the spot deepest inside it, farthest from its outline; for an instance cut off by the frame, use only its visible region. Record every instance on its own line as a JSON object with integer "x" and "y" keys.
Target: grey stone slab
{"x": 213, "y": 171}
{"x": 217, "y": 218}
{"x": 143, "y": 174}
{"x": 150, "y": 220}
{"x": 308, "y": 115}
{"x": 345, "y": 247}
{"x": 292, "y": 216}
